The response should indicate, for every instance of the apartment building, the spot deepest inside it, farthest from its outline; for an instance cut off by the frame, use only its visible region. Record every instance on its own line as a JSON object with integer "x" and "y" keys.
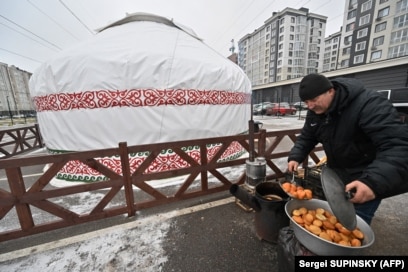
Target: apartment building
{"x": 15, "y": 96}
{"x": 331, "y": 52}
{"x": 373, "y": 30}
{"x": 289, "y": 45}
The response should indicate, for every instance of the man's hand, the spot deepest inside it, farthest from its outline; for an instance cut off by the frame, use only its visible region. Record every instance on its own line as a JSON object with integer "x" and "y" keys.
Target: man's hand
{"x": 293, "y": 166}
{"x": 362, "y": 194}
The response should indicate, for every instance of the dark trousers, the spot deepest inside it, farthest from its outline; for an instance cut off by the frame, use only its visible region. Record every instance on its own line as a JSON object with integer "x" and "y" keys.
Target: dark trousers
{"x": 367, "y": 210}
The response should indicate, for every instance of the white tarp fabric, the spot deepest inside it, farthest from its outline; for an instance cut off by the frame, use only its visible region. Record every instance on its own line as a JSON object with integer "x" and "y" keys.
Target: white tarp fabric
{"x": 142, "y": 80}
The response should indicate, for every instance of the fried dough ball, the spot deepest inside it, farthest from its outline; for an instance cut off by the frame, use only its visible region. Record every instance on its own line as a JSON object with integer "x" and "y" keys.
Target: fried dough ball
{"x": 321, "y": 217}
{"x": 315, "y": 229}
{"x": 296, "y": 212}
{"x": 303, "y": 210}
{"x": 344, "y": 243}
{"x": 358, "y": 234}
{"x": 317, "y": 223}
{"x": 319, "y": 211}
{"x": 326, "y": 236}
{"x": 334, "y": 235}
{"x": 342, "y": 229}
{"x": 328, "y": 225}
{"x": 355, "y": 242}
{"x": 298, "y": 219}
{"x": 308, "y": 218}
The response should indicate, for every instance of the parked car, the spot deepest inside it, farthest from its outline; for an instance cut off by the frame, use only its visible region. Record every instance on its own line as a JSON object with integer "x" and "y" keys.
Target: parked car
{"x": 281, "y": 109}
{"x": 300, "y": 105}
{"x": 260, "y": 109}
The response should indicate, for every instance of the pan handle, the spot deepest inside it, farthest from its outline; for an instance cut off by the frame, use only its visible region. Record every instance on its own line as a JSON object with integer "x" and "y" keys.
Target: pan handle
{"x": 350, "y": 194}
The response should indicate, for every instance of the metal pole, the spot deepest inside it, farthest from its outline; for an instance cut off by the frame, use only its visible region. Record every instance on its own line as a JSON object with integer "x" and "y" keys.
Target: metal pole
{"x": 251, "y": 132}
{"x": 11, "y": 115}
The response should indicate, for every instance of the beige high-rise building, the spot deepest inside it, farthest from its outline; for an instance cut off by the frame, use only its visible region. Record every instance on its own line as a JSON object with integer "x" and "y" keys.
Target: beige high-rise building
{"x": 289, "y": 45}
{"x": 15, "y": 96}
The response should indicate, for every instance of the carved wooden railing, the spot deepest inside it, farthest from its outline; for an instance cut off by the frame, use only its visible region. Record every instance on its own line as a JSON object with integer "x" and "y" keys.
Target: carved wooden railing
{"x": 17, "y": 140}
{"x": 33, "y": 206}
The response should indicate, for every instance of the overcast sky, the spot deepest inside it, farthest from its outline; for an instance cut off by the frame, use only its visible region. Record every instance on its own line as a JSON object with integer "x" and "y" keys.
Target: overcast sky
{"x": 32, "y": 31}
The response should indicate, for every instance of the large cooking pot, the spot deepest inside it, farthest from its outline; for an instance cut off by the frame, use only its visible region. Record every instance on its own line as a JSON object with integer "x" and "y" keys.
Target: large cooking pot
{"x": 269, "y": 204}
{"x": 318, "y": 245}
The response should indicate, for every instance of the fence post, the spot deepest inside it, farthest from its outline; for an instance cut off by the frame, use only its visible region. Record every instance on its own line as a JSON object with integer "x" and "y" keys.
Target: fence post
{"x": 127, "y": 178}
{"x": 262, "y": 143}
{"x": 40, "y": 141}
{"x": 17, "y": 188}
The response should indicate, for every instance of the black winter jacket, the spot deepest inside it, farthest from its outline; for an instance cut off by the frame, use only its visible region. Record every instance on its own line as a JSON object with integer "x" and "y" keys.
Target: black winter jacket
{"x": 362, "y": 136}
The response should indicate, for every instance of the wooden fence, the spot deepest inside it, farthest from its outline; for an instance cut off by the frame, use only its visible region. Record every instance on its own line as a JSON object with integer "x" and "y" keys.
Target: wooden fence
{"x": 33, "y": 206}
{"x": 14, "y": 141}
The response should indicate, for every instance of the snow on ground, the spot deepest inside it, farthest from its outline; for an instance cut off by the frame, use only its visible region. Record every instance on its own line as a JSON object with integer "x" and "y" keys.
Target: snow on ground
{"x": 133, "y": 246}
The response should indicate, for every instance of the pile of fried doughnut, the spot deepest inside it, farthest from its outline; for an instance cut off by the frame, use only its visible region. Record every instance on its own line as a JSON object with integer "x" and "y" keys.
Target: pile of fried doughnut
{"x": 296, "y": 191}
{"x": 322, "y": 223}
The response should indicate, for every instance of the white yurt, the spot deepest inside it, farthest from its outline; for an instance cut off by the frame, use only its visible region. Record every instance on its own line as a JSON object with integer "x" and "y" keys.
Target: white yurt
{"x": 143, "y": 79}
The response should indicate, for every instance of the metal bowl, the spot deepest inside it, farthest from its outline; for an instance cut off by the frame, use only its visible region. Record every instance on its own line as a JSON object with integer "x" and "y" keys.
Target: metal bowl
{"x": 318, "y": 245}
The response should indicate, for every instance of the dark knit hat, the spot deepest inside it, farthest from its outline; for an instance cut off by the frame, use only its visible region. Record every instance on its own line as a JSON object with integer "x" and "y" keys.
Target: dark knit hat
{"x": 313, "y": 85}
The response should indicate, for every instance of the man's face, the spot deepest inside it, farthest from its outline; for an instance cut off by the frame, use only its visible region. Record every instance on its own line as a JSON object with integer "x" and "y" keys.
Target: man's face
{"x": 320, "y": 104}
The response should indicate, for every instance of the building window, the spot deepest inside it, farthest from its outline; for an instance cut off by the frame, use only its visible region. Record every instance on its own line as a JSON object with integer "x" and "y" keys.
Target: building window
{"x": 383, "y": 12}
{"x": 378, "y": 41}
{"x": 282, "y": 21}
{"x": 383, "y": 1}
{"x": 402, "y": 7}
{"x": 360, "y": 46}
{"x": 376, "y": 55}
{"x": 350, "y": 27}
{"x": 273, "y": 33}
{"x": 346, "y": 51}
{"x": 281, "y": 30}
{"x": 380, "y": 27}
{"x": 399, "y": 36}
{"x": 344, "y": 63}
{"x": 398, "y": 51}
{"x": 347, "y": 40}
{"x": 366, "y": 5}
{"x": 401, "y": 21}
{"x": 359, "y": 59}
{"x": 364, "y": 20}
{"x": 351, "y": 14}
{"x": 362, "y": 33}
{"x": 292, "y": 29}
{"x": 291, "y": 37}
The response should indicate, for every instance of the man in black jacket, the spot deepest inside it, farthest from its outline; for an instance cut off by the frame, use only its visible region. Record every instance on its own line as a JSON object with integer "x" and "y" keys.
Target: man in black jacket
{"x": 362, "y": 136}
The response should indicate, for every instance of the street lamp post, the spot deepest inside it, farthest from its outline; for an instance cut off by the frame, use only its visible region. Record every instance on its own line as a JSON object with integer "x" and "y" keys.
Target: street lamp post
{"x": 11, "y": 115}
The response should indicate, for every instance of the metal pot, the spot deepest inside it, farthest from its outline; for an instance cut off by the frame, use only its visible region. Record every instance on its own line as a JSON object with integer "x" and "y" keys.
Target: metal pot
{"x": 269, "y": 204}
{"x": 318, "y": 245}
